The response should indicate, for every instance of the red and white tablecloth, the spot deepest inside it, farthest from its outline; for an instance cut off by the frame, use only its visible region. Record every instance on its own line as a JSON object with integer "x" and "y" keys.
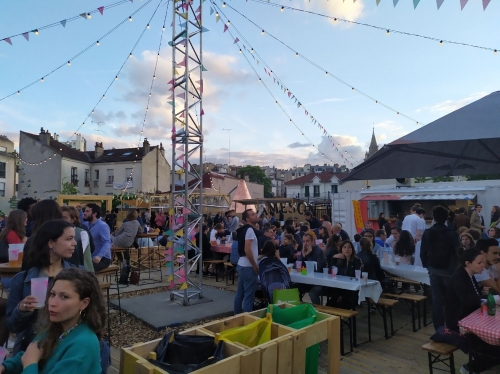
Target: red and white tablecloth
{"x": 221, "y": 248}
{"x": 485, "y": 327}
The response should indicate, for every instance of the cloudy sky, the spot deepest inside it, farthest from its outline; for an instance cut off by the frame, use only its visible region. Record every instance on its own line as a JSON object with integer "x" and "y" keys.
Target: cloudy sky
{"x": 415, "y": 76}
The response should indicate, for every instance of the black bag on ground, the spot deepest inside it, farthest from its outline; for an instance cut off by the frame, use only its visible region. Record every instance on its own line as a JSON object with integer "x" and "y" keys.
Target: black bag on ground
{"x": 179, "y": 354}
{"x": 444, "y": 335}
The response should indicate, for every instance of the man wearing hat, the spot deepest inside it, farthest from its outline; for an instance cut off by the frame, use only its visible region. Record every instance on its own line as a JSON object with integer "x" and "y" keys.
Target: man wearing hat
{"x": 461, "y": 219}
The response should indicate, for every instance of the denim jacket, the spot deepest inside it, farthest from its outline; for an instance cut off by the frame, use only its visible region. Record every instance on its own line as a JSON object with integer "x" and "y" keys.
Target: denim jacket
{"x": 18, "y": 321}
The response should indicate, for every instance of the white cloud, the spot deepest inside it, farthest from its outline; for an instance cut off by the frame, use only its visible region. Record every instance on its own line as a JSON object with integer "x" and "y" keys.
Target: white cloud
{"x": 334, "y": 8}
{"x": 449, "y": 106}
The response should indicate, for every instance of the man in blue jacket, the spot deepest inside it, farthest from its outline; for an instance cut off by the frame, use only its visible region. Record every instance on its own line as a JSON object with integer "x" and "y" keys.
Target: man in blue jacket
{"x": 101, "y": 257}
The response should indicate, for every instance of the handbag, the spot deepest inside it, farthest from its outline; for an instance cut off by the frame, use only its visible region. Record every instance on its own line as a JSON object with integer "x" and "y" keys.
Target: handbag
{"x": 445, "y": 335}
{"x": 134, "y": 278}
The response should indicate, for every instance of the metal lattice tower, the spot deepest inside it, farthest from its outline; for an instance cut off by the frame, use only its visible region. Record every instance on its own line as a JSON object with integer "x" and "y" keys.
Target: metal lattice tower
{"x": 187, "y": 138}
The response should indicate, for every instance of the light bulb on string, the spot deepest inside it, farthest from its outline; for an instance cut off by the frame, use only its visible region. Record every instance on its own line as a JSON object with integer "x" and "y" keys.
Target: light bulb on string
{"x": 130, "y": 55}
{"x": 223, "y": 5}
{"x": 262, "y": 32}
{"x": 282, "y": 9}
{"x": 326, "y": 73}
{"x": 217, "y": 14}
{"x": 97, "y": 43}
{"x": 43, "y": 80}
{"x": 335, "y": 20}
{"x": 154, "y": 76}
{"x": 352, "y": 89}
{"x": 89, "y": 16}
{"x": 240, "y": 51}
{"x": 103, "y": 96}
{"x": 397, "y": 113}
{"x": 387, "y": 32}
{"x": 130, "y": 18}
{"x": 228, "y": 22}
{"x": 163, "y": 28}
{"x": 148, "y": 26}
{"x": 116, "y": 77}
{"x": 92, "y": 111}
{"x": 259, "y": 80}
{"x": 495, "y": 52}
{"x": 36, "y": 32}
{"x": 69, "y": 63}
{"x": 251, "y": 50}
{"x": 296, "y": 54}
{"x": 19, "y": 92}
{"x": 440, "y": 43}
{"x": 376, "y": 101}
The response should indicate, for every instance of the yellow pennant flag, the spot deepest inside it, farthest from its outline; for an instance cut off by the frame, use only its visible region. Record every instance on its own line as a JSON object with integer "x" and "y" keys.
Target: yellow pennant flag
{"x": 171, "y": 212}
{"x": 217, "y": 18}
{"x": 184, "y": 15}
{"x": 180, "y": 233}
{"x": 169, "y": 245}
{"x": 170, "y": 278}
{"x": 176, "y": 72}
{"x": 184, "y": 286}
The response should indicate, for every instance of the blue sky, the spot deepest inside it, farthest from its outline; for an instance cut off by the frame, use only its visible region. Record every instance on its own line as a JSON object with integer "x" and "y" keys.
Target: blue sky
{"x": 415, "y": 76}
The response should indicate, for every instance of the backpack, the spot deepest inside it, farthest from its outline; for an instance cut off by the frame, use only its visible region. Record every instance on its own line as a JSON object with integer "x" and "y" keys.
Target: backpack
{"x": 242, "y": 231}
{"x": 441, "y": 248}
{"x": 273, "y": 276}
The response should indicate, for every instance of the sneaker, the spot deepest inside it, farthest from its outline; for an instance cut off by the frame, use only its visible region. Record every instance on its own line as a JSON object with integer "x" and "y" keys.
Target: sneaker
{"x": 465, "y": 370}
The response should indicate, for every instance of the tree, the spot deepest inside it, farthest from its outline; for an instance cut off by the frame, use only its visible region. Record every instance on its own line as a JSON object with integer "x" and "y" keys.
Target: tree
{"x": 421, "y": 179}
{"x": 482, "y": 177}
{"x": 257, "y": 175}
{"x": 69, "y": 188}
{"x": 442, "y": 179}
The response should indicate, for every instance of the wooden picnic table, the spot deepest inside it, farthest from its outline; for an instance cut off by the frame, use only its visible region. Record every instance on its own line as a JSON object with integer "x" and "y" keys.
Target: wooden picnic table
{"x": 7, "y": 271}
{"x": 221, "y": 248}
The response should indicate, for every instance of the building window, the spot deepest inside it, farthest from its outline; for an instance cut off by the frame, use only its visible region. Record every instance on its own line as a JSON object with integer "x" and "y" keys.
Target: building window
{"x": 335, "y": 188}
{"x": 306, "y": 192}
{"x": 97, "y": 175}
{"x": 2, "y": 189}
{"x": 110, "y": 176}
{"x": 87, "y": 178}
{"x": 3, "y": 149}
{"x": 74, "y": 176}
{"x": 316, "y": 191}
{"x": 3, "y": 166}
{"x": 128, "y": 173}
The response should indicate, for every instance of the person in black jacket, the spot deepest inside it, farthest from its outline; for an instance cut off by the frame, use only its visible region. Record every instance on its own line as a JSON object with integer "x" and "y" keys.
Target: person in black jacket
{"x": 463, "y": 296}
{"x": 438, "y": 253}
{"x": 312, "y": 252}
{"x": 347, "y": 263}
{"x": 371, "y": 263}
{"x": 314, "y": 223}
{"x": 287, "y": 249}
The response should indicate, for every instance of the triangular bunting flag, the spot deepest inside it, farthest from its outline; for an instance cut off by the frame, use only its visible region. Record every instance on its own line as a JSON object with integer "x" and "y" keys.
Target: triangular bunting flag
{"x": 84, "y": 15}
{"x": 439, "y": 3}
{"x": 184, "y": 286}
{"x": 203, "y": 68}
{"x": 225, "y": 28}
{"x": 182, "y": 95}
{"x": 202, "y": 112}
{"x": 211, "y": 10}
{"x": 63, "y": 23}
{"x": 170, "y": 102}
{"x": 176, "y": 72}
{"x": 131, "y": 1}
{"x": 395, "y": 2}
{"x": 26, "y": 36}
{"x": 182, "y": 115}
{"x": 171, "y": 81}
{"x": 184, "y": 15}
{"x": 204, "y": 29}
{"x": 172, "y": 285}
{"x": 217, "y": 18}
{"x": 236, "y": 41}
{"x": 463, "y": 3}
{"x": 170, "y": 278}
{"x": 8, "y": 40}
{"x": 198, "y": 9}
{"x": 182, "y": 63}
{"x": 185, "y": 6}
{"x": 101, "y": 10}
{"x": 181, "y": 148}
{"x": 415, "y": 3}
{"x": 378, "y": 2}
{"x": 485, "y": 4}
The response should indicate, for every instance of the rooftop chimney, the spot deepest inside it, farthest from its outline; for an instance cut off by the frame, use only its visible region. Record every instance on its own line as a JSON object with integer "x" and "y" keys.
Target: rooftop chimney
{"x": 145, "y": 146}
{"x": 99, "y": 150}
{"x": 44, "y": 136}
{"x": 162, "y": 150}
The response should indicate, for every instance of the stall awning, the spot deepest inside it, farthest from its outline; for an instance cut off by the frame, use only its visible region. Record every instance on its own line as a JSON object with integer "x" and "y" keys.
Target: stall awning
{"x": 420, "y": 197}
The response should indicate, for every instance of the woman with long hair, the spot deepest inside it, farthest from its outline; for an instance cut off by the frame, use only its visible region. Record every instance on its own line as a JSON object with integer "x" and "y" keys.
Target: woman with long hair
{"x": 288, "y": 247}
{"x": 71, "y": 326}
{"x": 405, "y": 247}
{"x": 494, "y": 232}
{"x": 347, "y": 263}
{"x": 495, "y": 213}
{"x": 54, "y": 243}
{"x": 14, "y": 231}
{"x": 41, "y": 212}
{"x": 467, "y": 242}
{"x": 370, "y": 262}
{"x": 83, "y": 251}
{"x": 125, "y": 235}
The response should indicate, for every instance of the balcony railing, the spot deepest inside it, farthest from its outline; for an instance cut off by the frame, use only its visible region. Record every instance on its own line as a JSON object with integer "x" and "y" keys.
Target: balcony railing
{"x": 87, "y": 183}
{"x": 96, "y": 183}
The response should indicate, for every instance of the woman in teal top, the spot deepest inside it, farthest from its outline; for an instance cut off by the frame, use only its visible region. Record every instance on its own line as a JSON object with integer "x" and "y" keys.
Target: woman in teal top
{"x": 72, "y": 322}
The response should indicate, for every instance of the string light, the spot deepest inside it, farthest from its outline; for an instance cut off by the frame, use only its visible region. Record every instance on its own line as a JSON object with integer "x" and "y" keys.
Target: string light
{"x": 89, "y": 16}
{"x": 495, "y": 52}
{"x": 43, "y": 80}
{"x": 387, "y": 32}
{"x": 241, "y": 51}
{"x": 130, "y": 18}
{"x": 282, "y": 9}
{"x": 262, "y": 32}
{"x": 296, "y": 54}
{"x": 69, "y": 63}
{"x": 130, "y": 55}
{"x": 326, "y": 73}
{"x": 36, "y": 32}
{"x": 116, "y": 78}
{"x": 163, "y": 28}
{"x": 148, "y": 26}
{"x": 223, "y": 5}
{"x": 228, "y": 22}
{"x": 440, "y": 43}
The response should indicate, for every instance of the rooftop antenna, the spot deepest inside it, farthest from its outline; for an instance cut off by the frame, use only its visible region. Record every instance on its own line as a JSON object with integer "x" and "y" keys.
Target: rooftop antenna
{"x": 98, "y": 129}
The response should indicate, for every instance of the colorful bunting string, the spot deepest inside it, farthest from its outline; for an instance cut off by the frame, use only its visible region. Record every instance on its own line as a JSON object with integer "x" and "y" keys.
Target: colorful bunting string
{"x": 326, "y": 72}
{"x": 86, "y": 15}
{"x": 68, "y": 63}
{"x": 279, "y": 105}
{"x": 384, "y": 29}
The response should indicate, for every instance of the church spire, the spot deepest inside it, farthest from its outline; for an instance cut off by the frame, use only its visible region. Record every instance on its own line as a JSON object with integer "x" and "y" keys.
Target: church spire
{"x": 373, "y": 146}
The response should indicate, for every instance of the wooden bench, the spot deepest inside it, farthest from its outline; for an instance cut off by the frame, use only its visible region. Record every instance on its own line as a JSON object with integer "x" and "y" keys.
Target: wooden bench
{"x": 384, "y": 307}
{"x": 231, "y": 271}
{"x": 348, "y": 318}
{"x": 107, "y": 274}
{"x": 412, "y": 300}
{"x": 435, "y": 351}
{"x": 215, "y": 262}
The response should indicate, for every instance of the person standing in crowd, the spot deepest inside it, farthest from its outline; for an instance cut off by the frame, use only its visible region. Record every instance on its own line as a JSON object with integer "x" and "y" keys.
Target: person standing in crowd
{"x": 72, "y": 324}
{"x": 412, "y": 223}
{"x": 152, "y": 219}
{"x": 83, "y": 251}
{"x": 381, "y": 220}
{"x": 101, "y": 257}
{"x": 27, "y": 204}
{"x": 461, "y": 220}
{"x": 54, "y": 243}
{"x": 231, "y": 221}
{"x": 491, "y": 252}
{"x": 311, "y": 252}
{"x": 160, "y": 220}
{"x": 247, "y": 264}
{"x": 439, "y": 255}
{"x": 43, "y": 211}
{"x": 463, "y": 297}
{"x": 314, "y": 223}
{"x": 477, "y": 220}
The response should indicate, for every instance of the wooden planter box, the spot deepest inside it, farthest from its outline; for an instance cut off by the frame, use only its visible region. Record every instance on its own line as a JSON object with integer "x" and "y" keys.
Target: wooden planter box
{"x": 284, "y": 354}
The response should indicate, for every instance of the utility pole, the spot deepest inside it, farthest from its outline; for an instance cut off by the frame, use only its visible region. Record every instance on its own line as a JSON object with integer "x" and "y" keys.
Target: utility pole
{"x": 229, "y": 133}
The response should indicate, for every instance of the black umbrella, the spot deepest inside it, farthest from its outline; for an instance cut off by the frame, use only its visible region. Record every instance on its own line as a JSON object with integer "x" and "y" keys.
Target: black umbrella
{"x": 464, "y": 142}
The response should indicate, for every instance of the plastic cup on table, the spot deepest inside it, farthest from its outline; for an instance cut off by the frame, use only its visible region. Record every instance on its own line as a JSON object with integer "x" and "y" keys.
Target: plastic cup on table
{"x": 39, "y": 290}
{"x": 298, "y": 266}
{"x": 364, "y": 276}
{"x": 16, "y": 252}
{"x": 319, "y": 242}
{"x": 357, "y": 274}
{"x": 325, "y": 272}
{"x": 397, "y": 259}
{"x": 334, "y": 271}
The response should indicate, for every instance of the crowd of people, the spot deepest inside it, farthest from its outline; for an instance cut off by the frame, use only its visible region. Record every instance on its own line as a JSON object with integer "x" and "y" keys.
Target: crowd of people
{"x": 56, "y": 246}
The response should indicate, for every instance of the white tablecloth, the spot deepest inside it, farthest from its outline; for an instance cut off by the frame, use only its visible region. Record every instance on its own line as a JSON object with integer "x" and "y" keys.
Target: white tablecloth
{"x": 411, "y": 272}
{"x": 372, "y": 289}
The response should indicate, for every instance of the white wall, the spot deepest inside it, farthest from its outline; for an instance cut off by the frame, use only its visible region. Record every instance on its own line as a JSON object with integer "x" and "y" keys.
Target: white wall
{"x": 120, "y": 176}
{"x": 155, "y": 165}
{"x": 66, "y": 166}
{"x": 9, "y": 161}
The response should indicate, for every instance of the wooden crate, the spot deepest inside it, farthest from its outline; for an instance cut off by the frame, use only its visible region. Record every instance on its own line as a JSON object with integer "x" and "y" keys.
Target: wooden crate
{"x": 327, "y": 327}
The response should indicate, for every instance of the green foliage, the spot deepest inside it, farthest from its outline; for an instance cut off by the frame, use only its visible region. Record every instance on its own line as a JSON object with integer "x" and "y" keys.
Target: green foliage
{"x": 482, "y": 177}
{"x": 421, "y": 179}
{"x": 257, "y": 175}
{"x": 442, "y": 179}
{"x": 68, "y": 188}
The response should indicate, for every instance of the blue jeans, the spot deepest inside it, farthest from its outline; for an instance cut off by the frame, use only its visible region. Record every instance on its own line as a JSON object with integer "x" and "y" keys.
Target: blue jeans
{"x": 439, "y": 283}
{"x": 245, "y": 294}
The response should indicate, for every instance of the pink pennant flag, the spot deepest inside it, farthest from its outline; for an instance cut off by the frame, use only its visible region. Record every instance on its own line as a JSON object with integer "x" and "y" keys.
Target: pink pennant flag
{"x": 289, "y": 93}
{"x": 180, "y": 260}
{"x": 182, "y": 95}
{"x": 463, "y": 3}
{"x": 101, "y": 10}
{"x": 198, "y": 17}
{"x": 185, "y": 6}
{"x": 236, "y": 41}
{"x": 170, "y": 97}
{"x": 172, "y": 81}
{"x": 225, "y": 28}
{"x": 182, "y": 63}
{"x": 171, "y": 89}
{"x": 181, "y": 279}
{"x": 180, "y": 156}
{"x": 485, "y": 4}
{"x": 244, "y": 46}
{"x": 173, "y": 130}
{"x": 172, "y": 285}
{"x": 202, "y": 112}
{"x": 169, "y": 251}
{"x": 198, "y": 9}
{"x": 26, "y": 36}
{"x": 182, "y": 115}
{"x": 439, "y": 3}
{"x": 307, "y": 112}
{"x": 168, "y": 258}
{"x": 181, "y": 148}
{"x": 8, "y": 40}
{"x": 186, "y": 210}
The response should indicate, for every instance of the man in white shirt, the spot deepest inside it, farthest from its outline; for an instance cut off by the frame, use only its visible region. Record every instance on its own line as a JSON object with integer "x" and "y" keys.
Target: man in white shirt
{"x": 491, "y": 251}
{"x": 247, "y": 264}
{"x": 413, "y": 223}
